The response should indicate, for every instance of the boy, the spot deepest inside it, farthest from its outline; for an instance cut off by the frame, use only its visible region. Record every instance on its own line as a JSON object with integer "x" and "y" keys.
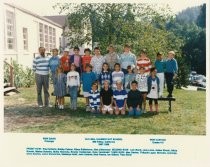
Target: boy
{"x": 160, "y": 67}
{"x": 171, "y": 72}
{"x": 120, "y": 96}
{"x": 76, "y": 59}
{"x": 111, "y": 58}
{"x": 88, "y": 77}
{"x": 134, "y": 100}
{"x": 106, "y": 98}
{"x": 65, "y": 62}
{"x": 129, "y": 77}
{"x": 127, "y": 58}
{"x": 86, "y": 58}
{"x": 97, "y": 62}
{"x": 94, "y": 99}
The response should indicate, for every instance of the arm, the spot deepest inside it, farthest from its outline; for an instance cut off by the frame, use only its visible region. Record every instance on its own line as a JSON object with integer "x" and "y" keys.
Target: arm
{"x": 129, "y": 100}
{"x": 34, "y": 65}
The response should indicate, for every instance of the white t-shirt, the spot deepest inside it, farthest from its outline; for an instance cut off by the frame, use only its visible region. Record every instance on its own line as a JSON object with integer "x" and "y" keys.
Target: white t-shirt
{"x": 73, "y": 78}
{"x": 142, "y": 82}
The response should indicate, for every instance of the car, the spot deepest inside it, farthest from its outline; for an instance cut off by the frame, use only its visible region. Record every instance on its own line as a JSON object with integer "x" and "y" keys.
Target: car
{"x": 199, "y": 80}
{"x": 192, "y": 76}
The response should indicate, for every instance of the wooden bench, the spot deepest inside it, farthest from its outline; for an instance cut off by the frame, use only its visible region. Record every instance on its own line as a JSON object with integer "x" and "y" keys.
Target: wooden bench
{"x": 169, "y": 99}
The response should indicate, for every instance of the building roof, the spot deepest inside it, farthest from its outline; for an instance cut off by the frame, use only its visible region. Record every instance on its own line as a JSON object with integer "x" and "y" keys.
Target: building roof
{"x": 59, "y": 19}
{"x": 34, "y": 14}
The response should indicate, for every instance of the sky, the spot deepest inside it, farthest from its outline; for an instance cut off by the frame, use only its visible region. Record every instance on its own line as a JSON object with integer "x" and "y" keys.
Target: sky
{"x": 44, "y": 7}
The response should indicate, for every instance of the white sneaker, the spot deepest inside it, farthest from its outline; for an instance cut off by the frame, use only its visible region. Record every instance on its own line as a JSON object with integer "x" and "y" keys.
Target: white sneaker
{"x": 40, "y": 106}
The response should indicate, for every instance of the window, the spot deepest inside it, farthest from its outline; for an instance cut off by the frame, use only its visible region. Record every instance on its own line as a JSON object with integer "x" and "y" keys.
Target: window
{"x": 25, "y": 38}
{"x": 47, "y": 37}
{"x": 10, "y": 27}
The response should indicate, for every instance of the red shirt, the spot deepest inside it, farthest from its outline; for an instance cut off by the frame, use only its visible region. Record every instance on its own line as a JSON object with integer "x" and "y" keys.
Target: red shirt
{"x": 144, "y": 62}
{"x": 64, "y": 61}
{"x": 85, "y": 60}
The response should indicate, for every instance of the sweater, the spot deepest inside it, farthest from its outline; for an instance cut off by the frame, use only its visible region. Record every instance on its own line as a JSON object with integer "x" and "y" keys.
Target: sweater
{"x": 87, "y": 79}
{"x": 54, "y": 63}
{"x": 127, "y": 59}
{"x": 134, "y": 99}
{"x": 160, "y": 65}
{"x": 41, "y": 65}
{"x": 171, "y": 66}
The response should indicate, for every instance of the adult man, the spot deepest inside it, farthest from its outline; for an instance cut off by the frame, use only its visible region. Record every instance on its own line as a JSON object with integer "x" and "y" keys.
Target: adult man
{"x": 41, "y": 69}
{"x": 111, "y": 58}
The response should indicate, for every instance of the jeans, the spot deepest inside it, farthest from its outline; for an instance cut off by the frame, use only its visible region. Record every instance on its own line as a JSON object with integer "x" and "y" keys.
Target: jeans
{"x": 134, "y": 112}
{"x": 169, "y": 82}
{"x": 73, "y": 96}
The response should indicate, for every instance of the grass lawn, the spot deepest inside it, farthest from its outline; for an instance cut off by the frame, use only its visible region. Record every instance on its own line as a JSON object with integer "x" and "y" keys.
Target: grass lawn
{"x": 188, "y": 117}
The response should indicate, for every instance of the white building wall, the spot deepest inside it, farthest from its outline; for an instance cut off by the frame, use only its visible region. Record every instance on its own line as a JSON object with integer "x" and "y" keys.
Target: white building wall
{"x": 25, "y": 20}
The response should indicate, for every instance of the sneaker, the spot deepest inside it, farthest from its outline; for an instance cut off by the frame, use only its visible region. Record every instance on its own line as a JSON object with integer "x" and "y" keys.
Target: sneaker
{"x": 87, "y": 109}
{"x": 40, "y": 106}
{"x": 49, "y": 105}
{"x": 169, "y": 95}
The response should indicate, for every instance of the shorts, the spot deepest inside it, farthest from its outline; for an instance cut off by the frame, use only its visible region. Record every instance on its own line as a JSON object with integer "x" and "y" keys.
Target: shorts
{"x": 85, "y": 94}
{"x": 120, "y": 108}
{"x": 107, "y": 108}
{"x": 144, "y": 92}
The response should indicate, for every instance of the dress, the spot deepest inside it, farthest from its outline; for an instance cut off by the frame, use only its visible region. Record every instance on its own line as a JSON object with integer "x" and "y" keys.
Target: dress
{"x": 153, "y": 94}
{"x": 60, "y": 85}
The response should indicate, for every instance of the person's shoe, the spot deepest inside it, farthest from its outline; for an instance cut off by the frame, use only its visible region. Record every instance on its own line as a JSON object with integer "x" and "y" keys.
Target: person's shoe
{"x": 40, "y": 106}
{"x": 88, "y": 109}
{"x": 169, "y": 95}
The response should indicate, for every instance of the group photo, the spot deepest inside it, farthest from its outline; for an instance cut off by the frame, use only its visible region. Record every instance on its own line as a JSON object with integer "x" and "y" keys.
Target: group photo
{"x": 107, "y": 68}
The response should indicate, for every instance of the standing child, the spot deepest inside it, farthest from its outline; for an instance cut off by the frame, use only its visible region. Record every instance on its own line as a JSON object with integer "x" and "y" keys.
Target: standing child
{"x": 106, "y": 98}
{"x": 73, "y": 83}
{"x": 120, "y": 96}
{"x": 129, "y": 77}
{"x": 94, "y": 99}
{"x": 60, "y": 87}
{"x": 86, "y": 58}
{"x": 153, "y": 89}
{"x": 105, "y": 75}
{"x": 88, "y": 77}
{"x": 160, "y": 66}
{"x": 134, "y": 100}
{"x": 141, "y": 78}
{"x": 76, "y": 59}
{"x": 117, "y": 75}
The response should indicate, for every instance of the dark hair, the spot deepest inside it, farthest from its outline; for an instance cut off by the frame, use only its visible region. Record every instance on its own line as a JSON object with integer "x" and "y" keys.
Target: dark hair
{"x": 88, "y": 65}
{"x": 107, "y": 65}
{"x": 96, "y": 48}
{"x": 127, "y": 46}
{"x": 95, "y": 83}
{"x": 87, "y": 49}
{"x": 141, "y": 67}
{"x": 41, "y": 47}
{"x": 143, "y": 51}
{"x": 134, "y": 82}
{"x": 55, "y": 49}
{"x": 116, "y": 64}
{"x": 129, "y": 67}
{"x": 152, "y": 69}
{"x": 76, "y": 48}
{"x": 159, "y": 53}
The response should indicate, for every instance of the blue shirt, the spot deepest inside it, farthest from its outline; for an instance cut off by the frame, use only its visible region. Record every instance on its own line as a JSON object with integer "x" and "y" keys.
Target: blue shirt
{"x": 120, "y": 96}
{"x": 105, "y": 76}
{"x": 171, "y": 66}
{"x": 160, "y": 66}
{"x": 54, "y": 63}
{"x": 127, "y": 59}
{"x": 94, "y": 98}
{"x": 87, "y": 79}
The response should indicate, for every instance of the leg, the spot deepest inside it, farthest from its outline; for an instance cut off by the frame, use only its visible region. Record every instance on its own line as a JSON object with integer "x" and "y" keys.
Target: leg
{"x": 161, "y": 78}
{"x": 144, "y": 102}
{"x": 138, "y": 112}
{"x": 150, "y": 105}
{"x": 117, "y": 111}
{"x": 38, "y": 79}
{"x": 156, "y": 106}
{"x": 122, "y": 111}
{"x": 110, "y": 110}
{"x": 131, "y": 111}
{"x": 169, "y": 102}
{"x": 46, "y": 89}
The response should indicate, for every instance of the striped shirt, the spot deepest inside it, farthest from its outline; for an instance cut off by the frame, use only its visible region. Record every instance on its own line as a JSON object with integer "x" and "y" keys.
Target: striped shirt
{"x": 127, "y": 59}
{"x": 41, "y": 65}
{"x": 144, "y": 62}
{"x": 120, "y": 96}
{"x": 94, "y": 98}
{"x": 97, "y": 62}
{"x": 116, "y": 76}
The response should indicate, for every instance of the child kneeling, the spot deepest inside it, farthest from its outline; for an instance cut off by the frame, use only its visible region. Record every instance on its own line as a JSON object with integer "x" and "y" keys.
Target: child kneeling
{"x": 94, "y": 99}
{"x": 106, "y": 98}
{"x": 134, "y": 101}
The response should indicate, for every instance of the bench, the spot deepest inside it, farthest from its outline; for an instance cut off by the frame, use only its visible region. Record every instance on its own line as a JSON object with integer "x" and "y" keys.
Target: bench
{"x": 169, "y": 99}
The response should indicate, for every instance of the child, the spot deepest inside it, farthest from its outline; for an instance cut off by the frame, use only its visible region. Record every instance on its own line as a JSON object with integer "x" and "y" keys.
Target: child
{"x": 60, "y": 87}
{"x": 76, "y": 59}
{"x": 105, "y": 75}
{"x": 141, "y": 78}
{"x": 120, "y": 96}
{"x": 97, "y": 62}
{"x": 106, "y": 98}
{"x": 160, "y": 66}
{"x": 129, "y": 77}
{"x": 65, "y": 62}
{"x": 94, "y": 99}
{"x": 88, "y": 77}
{"x": 127, "y": 58}
{"x": 171, "y": 72}
{"x": 86, "y": 58}
{"x": 153, "y": 89}
{"x": 117, "y": 75}
{"x": 134, "y": 100}
{"x": 73, "y": 83}
{"x": 144, "y": 61}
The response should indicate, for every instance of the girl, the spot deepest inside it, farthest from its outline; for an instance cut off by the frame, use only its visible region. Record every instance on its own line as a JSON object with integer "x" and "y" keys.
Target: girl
{"x": 106, "y": 98}
{"x": 129, "y": 77}
{"x": 153, "y": 89}
{"x": 60, "y": 87}
{"x": 141, "y": 78}
{"x": 105, "y": 75}
{"x": 117, "y": 75}
{"x": 73, "y": 83}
